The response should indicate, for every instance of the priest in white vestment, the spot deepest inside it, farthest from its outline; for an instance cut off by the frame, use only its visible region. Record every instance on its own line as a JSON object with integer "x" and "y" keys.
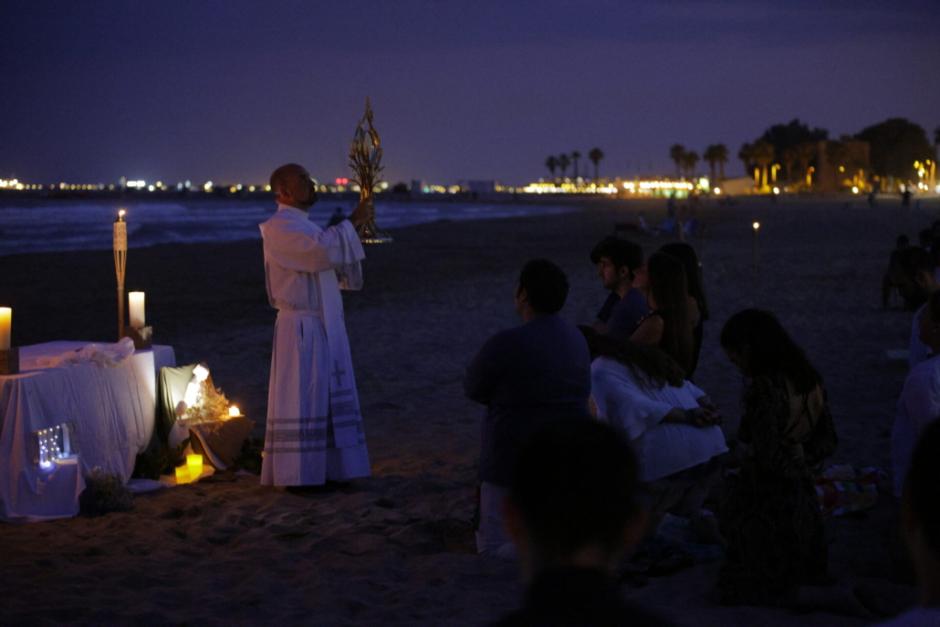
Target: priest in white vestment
{"x": 314, "y": 428}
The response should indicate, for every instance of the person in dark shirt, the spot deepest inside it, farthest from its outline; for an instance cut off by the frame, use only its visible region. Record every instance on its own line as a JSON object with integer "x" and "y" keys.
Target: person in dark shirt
{"x": 572, "y": 512}
{"x": 526, "y": 376}
{"x": 620, "y": 267}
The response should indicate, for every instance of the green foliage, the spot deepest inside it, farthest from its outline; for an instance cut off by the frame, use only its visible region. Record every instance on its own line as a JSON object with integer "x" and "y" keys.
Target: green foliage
{"x": 791, "y": 135}
{"x": 895, "y": 144}
{"x": 212, "y": 405}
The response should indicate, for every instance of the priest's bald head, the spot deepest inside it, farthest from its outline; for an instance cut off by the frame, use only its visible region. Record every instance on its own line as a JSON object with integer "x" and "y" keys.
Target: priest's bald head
{"x": 292, "y": 186}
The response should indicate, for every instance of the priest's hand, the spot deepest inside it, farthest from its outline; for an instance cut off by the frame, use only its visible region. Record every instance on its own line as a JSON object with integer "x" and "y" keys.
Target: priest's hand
{"x": 360, "y": 214}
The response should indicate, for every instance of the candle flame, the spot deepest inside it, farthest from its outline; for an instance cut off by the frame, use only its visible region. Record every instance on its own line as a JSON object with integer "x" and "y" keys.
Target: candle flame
{"x": 756, "y": 225}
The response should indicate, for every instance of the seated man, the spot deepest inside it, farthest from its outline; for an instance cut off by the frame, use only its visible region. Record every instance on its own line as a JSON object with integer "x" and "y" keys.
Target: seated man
{"x": 619, "y": 265}
{"x": 572, "y": 512}
{"x": 527, "y": 376}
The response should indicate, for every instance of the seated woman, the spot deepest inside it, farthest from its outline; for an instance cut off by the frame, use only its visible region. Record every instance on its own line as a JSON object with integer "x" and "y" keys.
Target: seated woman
{"x": 669, "y": 325}
{"x": 671, "y": 423}
{"x": 770, "y": 516}
{"x": 919, "y": 404}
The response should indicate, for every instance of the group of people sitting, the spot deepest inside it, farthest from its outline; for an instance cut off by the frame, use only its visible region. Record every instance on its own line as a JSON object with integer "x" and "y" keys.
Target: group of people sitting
{"x": 563, "y": 402}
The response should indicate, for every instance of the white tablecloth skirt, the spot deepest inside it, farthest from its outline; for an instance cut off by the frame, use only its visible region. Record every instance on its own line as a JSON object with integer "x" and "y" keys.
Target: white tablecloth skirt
{"x": 110, "y": 411}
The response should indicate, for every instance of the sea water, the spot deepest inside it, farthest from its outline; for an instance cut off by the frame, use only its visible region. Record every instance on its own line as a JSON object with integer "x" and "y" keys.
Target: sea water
{"x": 51, "y": 225}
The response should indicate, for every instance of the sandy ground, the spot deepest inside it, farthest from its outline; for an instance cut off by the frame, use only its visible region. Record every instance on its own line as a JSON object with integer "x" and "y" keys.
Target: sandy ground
{"x": 397, "y": 548}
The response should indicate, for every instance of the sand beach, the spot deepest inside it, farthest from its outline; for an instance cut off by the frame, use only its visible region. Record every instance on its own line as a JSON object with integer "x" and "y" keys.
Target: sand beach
{"x": 397, "y": 548}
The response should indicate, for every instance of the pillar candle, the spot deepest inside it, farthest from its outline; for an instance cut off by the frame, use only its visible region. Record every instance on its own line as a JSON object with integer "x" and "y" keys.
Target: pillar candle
{"x": 182, "y": 474}
{"x": 194, "y": 463}
{"x": 136, "y": 309}
{"x": 6, "y": 326}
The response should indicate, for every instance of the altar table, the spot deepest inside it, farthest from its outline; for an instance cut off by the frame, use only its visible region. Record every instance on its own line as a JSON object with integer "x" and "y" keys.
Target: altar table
{"x": 109, "y": 411}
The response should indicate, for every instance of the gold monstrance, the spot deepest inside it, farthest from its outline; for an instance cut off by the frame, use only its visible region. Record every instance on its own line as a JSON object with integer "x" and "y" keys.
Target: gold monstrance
{"x": 365, "y": 159}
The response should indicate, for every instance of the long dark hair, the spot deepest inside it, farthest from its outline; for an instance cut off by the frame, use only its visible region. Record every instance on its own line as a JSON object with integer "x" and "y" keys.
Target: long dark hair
{"x": 768, "y": 349}
{"x": 647, "y": 363}
{"x": 693, "y": 273}
{"x": 668, "y": 288}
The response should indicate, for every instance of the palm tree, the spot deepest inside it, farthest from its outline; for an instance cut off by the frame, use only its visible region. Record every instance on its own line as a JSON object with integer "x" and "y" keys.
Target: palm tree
{"x": 746, "y": 155}
{"x": 551, "y": 163}
{"x": 595, "y": 155}
{"x": 676, "y": 153}
{"x": 575, "y": 155}
{"x": 689, "y": 161}
{"x": 763, "y": 156}
{"x": 805, "y": 153}
{"x": 721, "y": 155}
{"x": 563, "y": 163}
{"x": 716, "y": 154}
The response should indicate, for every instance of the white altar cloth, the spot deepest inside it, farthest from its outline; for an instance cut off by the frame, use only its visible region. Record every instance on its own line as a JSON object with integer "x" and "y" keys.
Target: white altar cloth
{"x": 110, "y": 411}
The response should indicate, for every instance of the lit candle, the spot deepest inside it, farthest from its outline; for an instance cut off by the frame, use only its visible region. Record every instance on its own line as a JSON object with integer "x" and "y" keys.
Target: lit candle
{"x": 182, "y": 474}
{"x": 120, "y": 231}
{"x": 194, "y": 463}
{"x": 6, "y": 326}
{"x": 136, "y": 309}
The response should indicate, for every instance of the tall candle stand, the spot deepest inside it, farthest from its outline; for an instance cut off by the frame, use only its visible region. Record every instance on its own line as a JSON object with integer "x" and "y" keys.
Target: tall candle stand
{"x": 120, "y": 265}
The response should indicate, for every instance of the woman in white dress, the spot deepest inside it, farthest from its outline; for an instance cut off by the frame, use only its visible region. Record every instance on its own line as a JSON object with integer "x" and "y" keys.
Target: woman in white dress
{"x": 671, "y": 423}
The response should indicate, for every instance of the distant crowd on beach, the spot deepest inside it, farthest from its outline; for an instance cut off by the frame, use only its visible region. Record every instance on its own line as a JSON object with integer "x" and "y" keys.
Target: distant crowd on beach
{"x": 594, "y": 436}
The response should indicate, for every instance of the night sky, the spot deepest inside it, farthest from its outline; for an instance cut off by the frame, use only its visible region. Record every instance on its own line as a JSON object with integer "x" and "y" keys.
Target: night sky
{"x": 226, "y": 90}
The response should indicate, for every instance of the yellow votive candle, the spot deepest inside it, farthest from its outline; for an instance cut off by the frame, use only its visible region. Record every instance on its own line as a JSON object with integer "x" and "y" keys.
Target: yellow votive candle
{"x": 194, "y": 463}
{"x": 136, "y": 309}
{"x": 6, "y": 326}
{"x": 182, "y": 474}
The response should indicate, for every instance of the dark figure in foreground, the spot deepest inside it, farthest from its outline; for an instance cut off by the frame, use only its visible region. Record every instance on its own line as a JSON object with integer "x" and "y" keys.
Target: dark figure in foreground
{"x": 770, "y": 516}
{"x": 920, "y": 516}
{"x": 572, "y": 512}
{"x": 526, "y": 376}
